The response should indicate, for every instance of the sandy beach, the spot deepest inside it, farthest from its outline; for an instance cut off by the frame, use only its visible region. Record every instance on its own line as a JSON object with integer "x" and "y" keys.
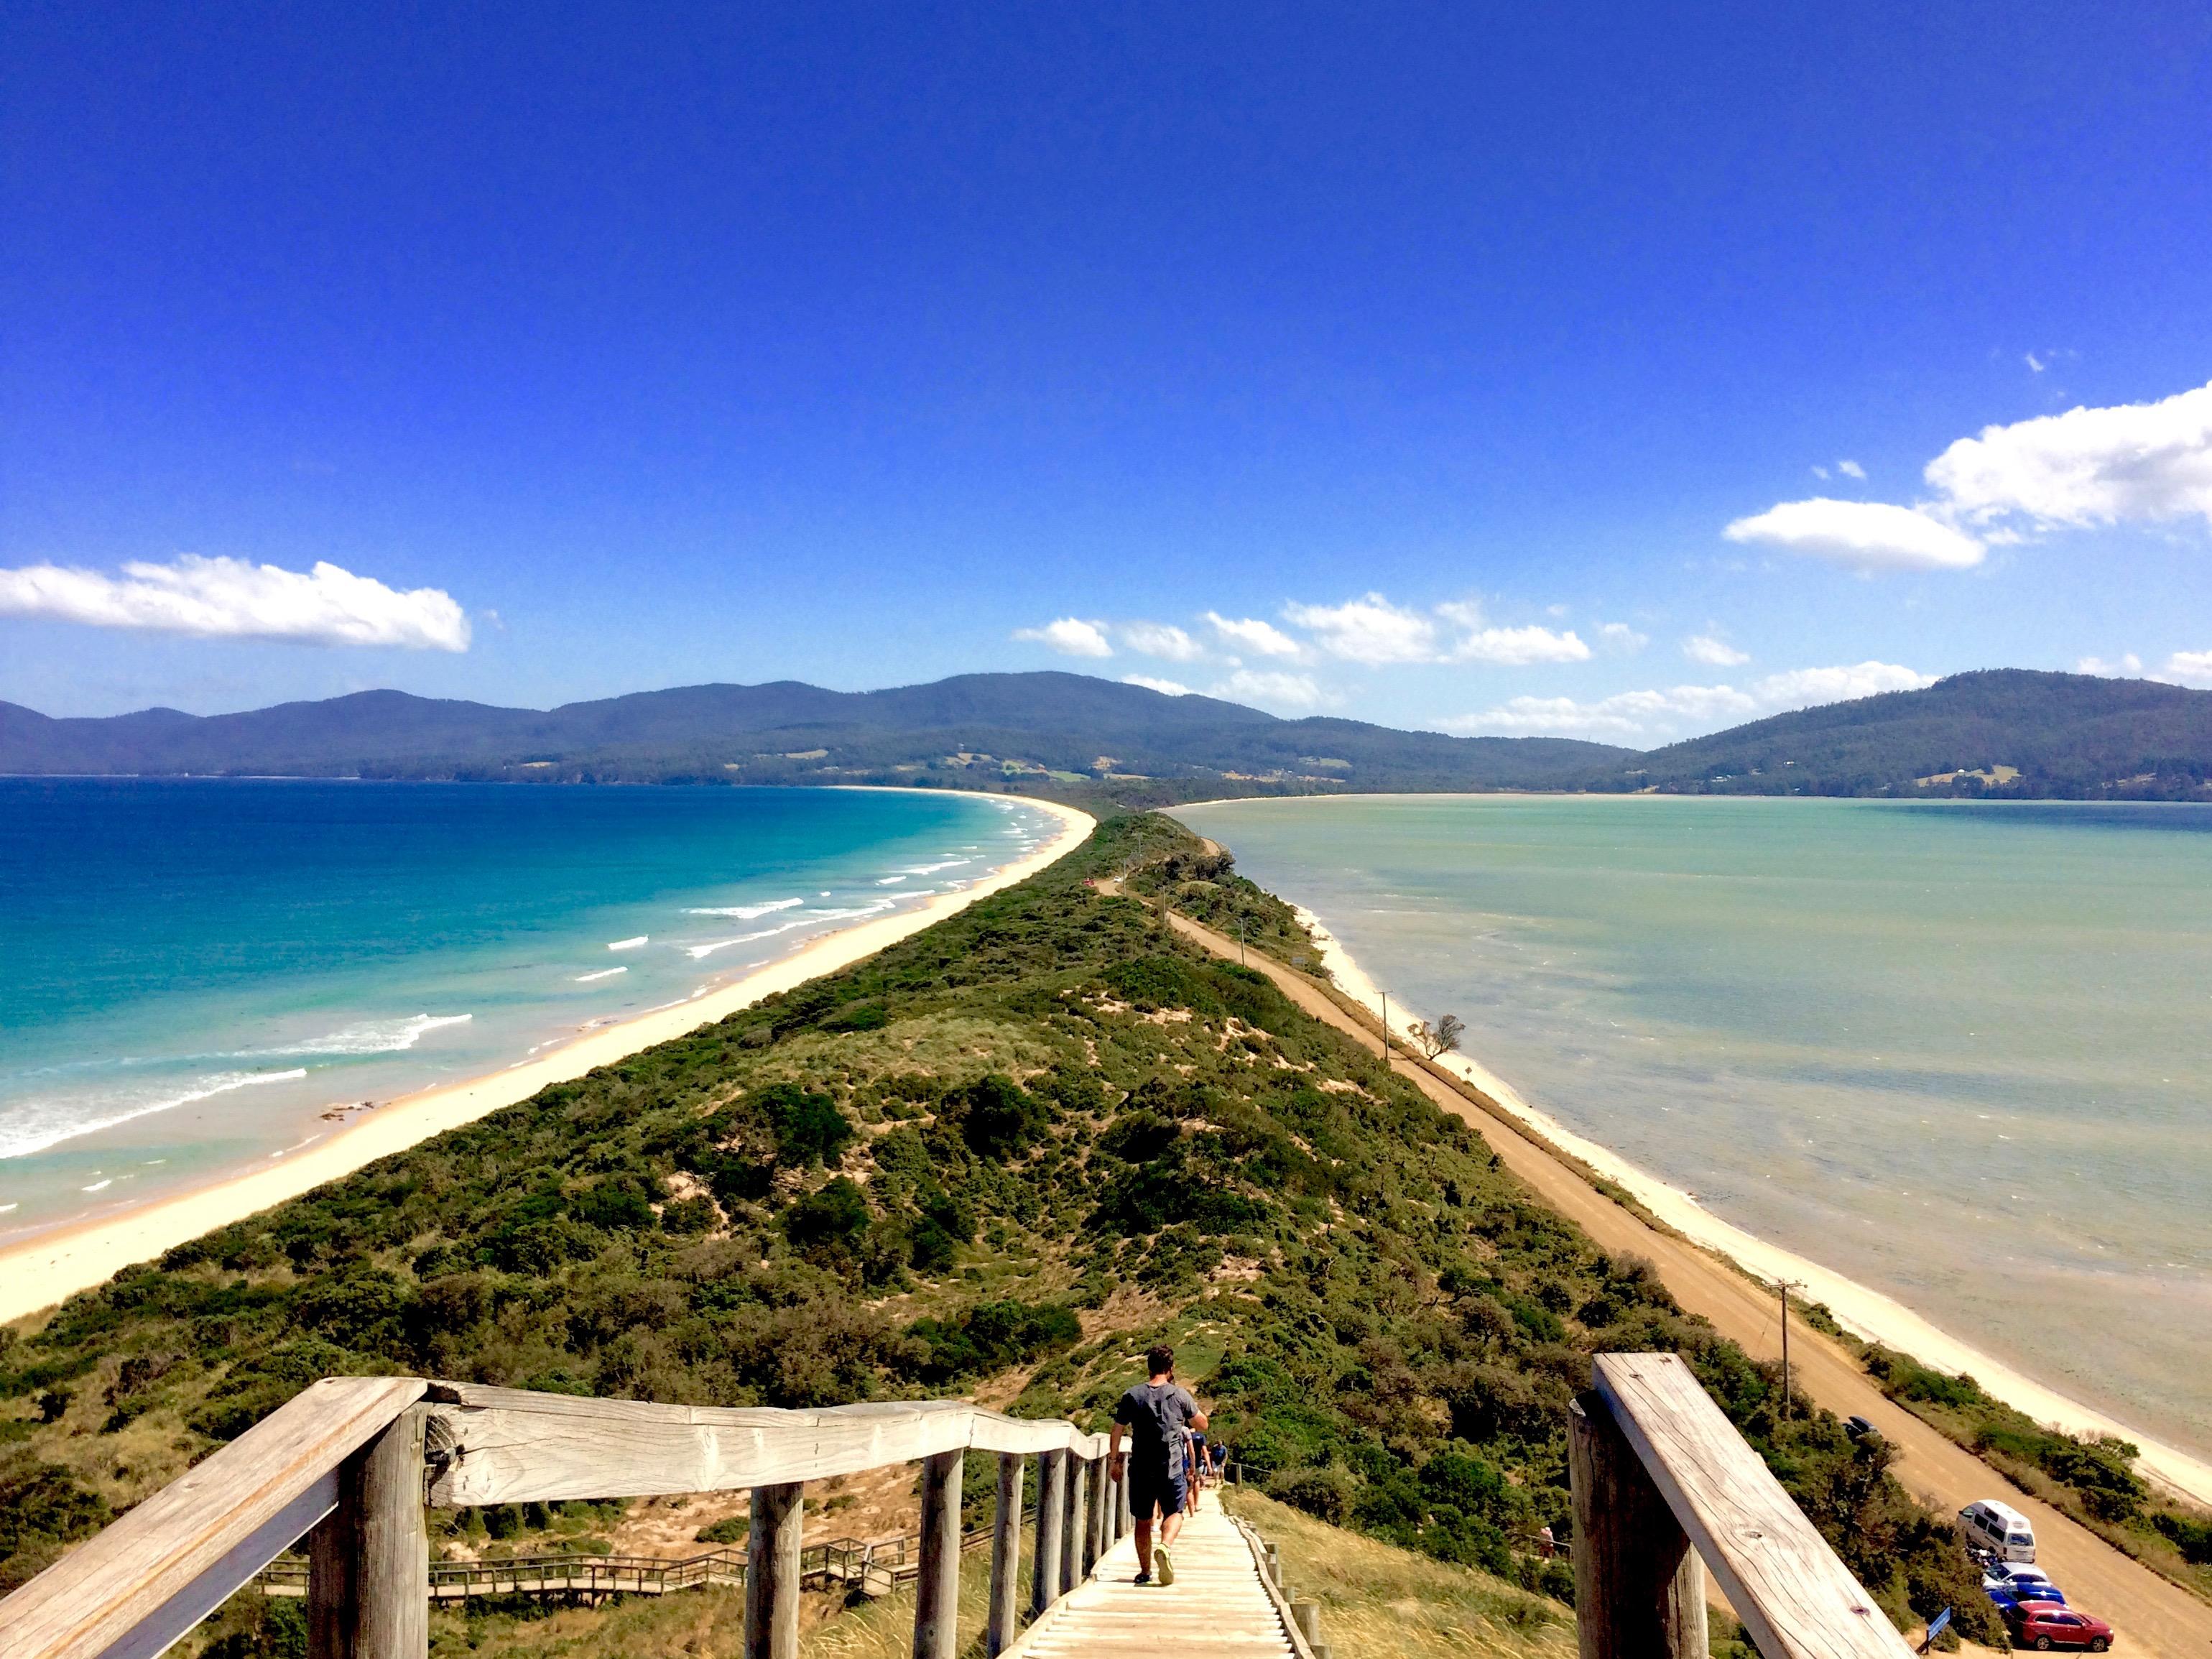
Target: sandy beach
{"x": 42, "y": 1271}
{"x": 1864, "y": 1312}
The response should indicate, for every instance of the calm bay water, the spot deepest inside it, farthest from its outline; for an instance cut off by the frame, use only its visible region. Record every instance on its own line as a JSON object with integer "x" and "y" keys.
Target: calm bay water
{"x": 193, "y": 972}
{"x": 1961, "y": 1053}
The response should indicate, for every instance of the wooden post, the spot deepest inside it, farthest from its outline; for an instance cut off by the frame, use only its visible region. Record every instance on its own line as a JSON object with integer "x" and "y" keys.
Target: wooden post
{"x": 1051, "y": 1524}
{"x": 1639, "y": 1588}
{"x": 1129, "y": 1503}
{"x": 937, "y": 1591}
{"x": 1101, "y": 1512}
{"x": 368, "y": 1561}
{"x": 1005, "y": 1557}
{"x": 772, "y": 1571}
{"x": 1078, "y": 1501}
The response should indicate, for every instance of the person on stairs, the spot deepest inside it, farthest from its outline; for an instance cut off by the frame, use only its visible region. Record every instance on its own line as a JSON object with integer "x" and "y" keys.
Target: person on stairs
{"x": 1155, "y": 1415}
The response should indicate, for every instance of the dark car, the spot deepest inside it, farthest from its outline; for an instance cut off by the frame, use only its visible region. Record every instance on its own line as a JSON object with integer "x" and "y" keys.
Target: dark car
{"x": 1859, "y": 1429}
{"x": 2046, "y": 1624}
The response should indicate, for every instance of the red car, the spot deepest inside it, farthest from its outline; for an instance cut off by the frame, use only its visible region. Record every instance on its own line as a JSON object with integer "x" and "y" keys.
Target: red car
{"x": 2047, "y": 1624}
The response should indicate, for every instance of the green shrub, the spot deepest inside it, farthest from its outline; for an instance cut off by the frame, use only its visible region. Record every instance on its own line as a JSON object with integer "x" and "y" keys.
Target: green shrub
{"x": 807, "y": 1124}
{"x": 1324, "y": 1494}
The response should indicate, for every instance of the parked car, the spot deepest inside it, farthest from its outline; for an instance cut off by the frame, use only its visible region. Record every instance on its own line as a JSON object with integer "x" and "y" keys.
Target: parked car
{"x": 2021, "y": 1581}
{"x": 2046, "y": 1624}
{"x": 1859, "y": 1429}
{"x": 2009, "y": 1601}
{"x": 1999, "y": 1528}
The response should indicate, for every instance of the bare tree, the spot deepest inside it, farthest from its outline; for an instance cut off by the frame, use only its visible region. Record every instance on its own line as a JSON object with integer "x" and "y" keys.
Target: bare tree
{"x": 1440, "y": 1039}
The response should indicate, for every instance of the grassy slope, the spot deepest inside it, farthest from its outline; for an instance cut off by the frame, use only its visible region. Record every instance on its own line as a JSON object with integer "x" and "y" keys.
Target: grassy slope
{"x": 1379, "y": 1599}
{"x": 998, "y": 1158}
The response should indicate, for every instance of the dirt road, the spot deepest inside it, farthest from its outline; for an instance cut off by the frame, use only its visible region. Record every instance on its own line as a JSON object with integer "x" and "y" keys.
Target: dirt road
{"x": 2149, "y": 1614}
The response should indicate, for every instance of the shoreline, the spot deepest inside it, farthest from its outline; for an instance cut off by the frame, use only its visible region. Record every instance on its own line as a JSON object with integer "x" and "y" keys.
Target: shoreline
{"x": 1869, "y": 1313}
{"x": 48, "y": 1267}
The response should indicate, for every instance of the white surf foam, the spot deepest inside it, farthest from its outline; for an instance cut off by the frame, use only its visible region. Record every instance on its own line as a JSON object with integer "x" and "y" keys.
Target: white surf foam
{"x": 382, "y": 1037}
{"x": 629, "y": 944}
{"x": 745, "y": 911}
{"x": 604, "y": 973}
{"x": 697, "y": 951}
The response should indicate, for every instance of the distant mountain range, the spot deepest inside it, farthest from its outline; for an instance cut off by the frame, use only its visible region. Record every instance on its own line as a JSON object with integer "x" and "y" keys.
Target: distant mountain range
{"x": 2004, "y": 731}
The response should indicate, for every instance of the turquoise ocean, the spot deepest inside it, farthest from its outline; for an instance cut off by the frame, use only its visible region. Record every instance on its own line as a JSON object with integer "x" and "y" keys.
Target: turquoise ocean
{"x": 193, "y": 973}
{"x": 1961, "y": 1053}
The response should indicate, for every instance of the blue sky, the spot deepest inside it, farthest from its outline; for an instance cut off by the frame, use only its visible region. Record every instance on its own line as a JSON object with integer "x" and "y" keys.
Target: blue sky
{"x": 1505, "y": 362}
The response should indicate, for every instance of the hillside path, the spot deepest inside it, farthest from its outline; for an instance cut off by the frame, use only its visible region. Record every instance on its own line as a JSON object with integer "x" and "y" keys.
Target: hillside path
{"x": 2149, "y": 1614}
{"x": 1217, "y": 1608}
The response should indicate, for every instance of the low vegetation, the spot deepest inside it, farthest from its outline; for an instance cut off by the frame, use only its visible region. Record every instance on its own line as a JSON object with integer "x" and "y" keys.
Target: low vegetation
{"x": 999, "y": 1157}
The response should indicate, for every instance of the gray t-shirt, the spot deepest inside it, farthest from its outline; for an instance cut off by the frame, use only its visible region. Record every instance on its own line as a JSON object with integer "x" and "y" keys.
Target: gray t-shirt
{"x": 1156, "y": 1414}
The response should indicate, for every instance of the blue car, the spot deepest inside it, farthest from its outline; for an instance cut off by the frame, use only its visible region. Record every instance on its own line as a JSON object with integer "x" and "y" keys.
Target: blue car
{"x": 2009, "y": 1583}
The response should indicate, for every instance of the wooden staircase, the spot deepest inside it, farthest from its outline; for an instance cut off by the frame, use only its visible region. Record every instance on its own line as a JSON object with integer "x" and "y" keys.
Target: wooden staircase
{"x": 1220, "y": 1606}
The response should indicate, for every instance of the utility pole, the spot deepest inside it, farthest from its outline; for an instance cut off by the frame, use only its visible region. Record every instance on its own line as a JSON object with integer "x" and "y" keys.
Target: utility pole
{"x": 1240, "y": 941}
{"x": 1788, "y": 1285}
{"x": 1386, "y": 1027}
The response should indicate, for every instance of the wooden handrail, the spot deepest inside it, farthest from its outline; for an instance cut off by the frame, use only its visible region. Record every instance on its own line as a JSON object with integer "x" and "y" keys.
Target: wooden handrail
{"x": 141, "y": 1583}
{"x": 1659, "y": 1472}
{"x": 512, "y": 1446}
{"x": 352, "y": 1460}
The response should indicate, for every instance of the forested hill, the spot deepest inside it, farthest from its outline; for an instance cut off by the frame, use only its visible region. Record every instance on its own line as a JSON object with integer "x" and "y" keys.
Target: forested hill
{"x": 999, "y": 1158}
{"x": 973, "y": 730}
{"x": 2001, "y": 733}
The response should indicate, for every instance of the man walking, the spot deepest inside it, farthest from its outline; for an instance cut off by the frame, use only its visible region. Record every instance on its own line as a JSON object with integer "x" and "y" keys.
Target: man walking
{"x": 1156, "y": 1414}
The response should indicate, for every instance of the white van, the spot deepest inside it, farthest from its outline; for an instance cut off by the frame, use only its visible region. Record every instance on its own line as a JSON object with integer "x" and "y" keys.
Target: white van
{"x": 1999, "y": 1528}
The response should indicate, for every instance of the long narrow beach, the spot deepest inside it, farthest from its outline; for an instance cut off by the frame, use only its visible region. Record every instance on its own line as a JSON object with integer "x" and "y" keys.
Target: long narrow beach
{"x": 1865, "y": 1312}
{"x": 43, "y": 1270}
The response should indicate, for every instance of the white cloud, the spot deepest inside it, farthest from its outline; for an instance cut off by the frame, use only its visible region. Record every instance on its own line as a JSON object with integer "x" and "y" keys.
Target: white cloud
{"x": 1713, "y": 651}
{"x": 1249, "y": 634}
{"x": 234, "y": 599}
{"x": 1621, "y": 637}
{"x": 1370, "y": 630}
{"x": 1661, "y": 714}
{"x": 2132, "y": 463}
{"x": 1867, "y": 536}
{"x": 2188, "y": 668}
{"x": 1517, "y": 647}
{"x": 1161, "y": 640}
{"x": 1268, "y": 687}
{"x": 2127, "y": 463}
{"x": 1510, "y": 648}
{"x": 1165, "y": 688}
{"x": 1071, "y": 636}
{"x": 1851, "y": 469}
{"x": 2127, "y": 665}
{"x": 1800, "y": 687}
{"x": 2035, "y": 364}
{"x": 1625, "y": 715}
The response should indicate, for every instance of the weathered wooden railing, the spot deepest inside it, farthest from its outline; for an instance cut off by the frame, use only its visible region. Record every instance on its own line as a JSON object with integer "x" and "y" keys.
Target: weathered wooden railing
{"x": 1664, "y": 1488}
{"x": 351, "y": 1462}
{"x": 572, "y": 1572}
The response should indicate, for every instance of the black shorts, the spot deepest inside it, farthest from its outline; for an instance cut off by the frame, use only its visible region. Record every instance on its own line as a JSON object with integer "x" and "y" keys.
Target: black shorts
{"x": 1154, "y": 1486}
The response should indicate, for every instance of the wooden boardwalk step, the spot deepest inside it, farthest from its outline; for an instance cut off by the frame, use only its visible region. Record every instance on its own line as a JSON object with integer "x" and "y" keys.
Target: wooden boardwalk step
{"x": 1217, "y": 1608}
